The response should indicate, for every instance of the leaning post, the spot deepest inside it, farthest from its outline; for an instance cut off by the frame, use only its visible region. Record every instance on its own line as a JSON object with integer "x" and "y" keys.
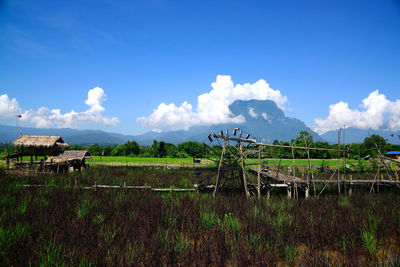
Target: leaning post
{"x": 259, "y": 173}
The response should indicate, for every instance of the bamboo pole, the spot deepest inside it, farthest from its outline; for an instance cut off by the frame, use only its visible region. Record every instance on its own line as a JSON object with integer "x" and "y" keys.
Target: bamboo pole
{"x": 243, "y": 171}
{"x": 259, "y": 173}
{"x": 219, "y": 170}
{"x": 309, "y": 166}
{"x": 338, "y": 163}
{"x": 344, "y": 150}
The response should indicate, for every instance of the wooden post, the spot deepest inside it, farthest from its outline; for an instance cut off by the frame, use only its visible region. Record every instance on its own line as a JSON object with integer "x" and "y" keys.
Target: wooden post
{"x": 351, "y": 185}
{"x": 302, "y": 176}
{"x": 259, "y": 173}
{"x": 293, "y": 166}
{"x": 378, "y": 178}
{"x": 309, "y": 166}
{"x": 338, "y": 162}
{"x": 307, "y": 192}
{"x": 95, "y": 185}
{"x": 344, "y": 153}
{"x": 289, "y": 191}
{"x": 219, "y": 170}
{"x": 243, "y": 170}
{"x": 397, "y": 177}
{"x": 268, "y": 193}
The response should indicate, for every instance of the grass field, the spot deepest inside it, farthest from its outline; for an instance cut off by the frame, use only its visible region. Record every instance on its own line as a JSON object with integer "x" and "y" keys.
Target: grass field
{"x": 146, "y": 161}
{"x": 58, "y": 225}
{"x": 302, "y": 164}
{"x": 189, "y": 161}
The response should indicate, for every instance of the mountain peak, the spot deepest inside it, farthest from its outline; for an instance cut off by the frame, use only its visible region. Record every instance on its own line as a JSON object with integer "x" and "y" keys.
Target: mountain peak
{"x": 257, "y": 109}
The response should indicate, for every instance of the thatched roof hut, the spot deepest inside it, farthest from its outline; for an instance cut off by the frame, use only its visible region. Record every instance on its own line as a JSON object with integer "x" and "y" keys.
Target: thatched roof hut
{"x": 70, "y": 155}
{"x": 40, "y": 145}
{"x": 39, "y": 141}
{"x": 74, "y": 159}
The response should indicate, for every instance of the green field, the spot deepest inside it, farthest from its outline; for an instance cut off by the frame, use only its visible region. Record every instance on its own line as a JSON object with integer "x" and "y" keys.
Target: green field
{"x": 140, "y": 161}
{"x": 188, "y": 162}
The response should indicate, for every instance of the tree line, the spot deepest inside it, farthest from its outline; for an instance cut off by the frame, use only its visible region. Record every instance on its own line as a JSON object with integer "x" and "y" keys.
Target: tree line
{"x": 161, "y": 149}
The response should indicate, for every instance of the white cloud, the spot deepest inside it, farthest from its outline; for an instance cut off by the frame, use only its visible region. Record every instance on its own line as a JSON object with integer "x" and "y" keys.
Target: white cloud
{"x": 375, "y": 107}
{"x": 265, "y": 116}
{"x": 45, "y": 117}
{"x": 9, "y": 108}
{"x": 252, "y": 113}
{"x": 212, "y": 107}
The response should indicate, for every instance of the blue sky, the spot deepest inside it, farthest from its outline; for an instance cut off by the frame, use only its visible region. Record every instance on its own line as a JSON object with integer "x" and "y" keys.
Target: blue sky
{"x": 144, "y": 53}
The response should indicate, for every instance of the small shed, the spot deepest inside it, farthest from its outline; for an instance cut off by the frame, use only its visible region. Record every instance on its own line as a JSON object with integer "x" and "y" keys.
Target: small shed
{"x": 72, "y": 158}
{"x": 395, "y": 155}
{"x": 39, "y": 145}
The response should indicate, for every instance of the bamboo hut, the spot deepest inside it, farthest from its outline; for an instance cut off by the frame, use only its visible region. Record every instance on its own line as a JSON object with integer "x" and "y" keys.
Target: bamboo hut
{"x": 73, "y": 159}
{"x": 30, "y": 145}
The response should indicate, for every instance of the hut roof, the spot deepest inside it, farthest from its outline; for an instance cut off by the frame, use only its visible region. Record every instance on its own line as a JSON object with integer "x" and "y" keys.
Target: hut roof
{"x": 71, "y": 155}
{"x": 39, "y": 141}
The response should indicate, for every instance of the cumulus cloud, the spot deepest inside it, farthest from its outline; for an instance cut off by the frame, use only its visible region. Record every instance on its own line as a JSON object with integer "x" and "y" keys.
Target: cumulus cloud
{"x": 9, "y": 108}
{"x": 377, "y": 112}
{"x": 46, "y": 118}
{"x": 212, "y": 107}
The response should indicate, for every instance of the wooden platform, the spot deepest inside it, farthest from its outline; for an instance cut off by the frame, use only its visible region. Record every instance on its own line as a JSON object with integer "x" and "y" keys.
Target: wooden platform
{"x": 285, "y": 178}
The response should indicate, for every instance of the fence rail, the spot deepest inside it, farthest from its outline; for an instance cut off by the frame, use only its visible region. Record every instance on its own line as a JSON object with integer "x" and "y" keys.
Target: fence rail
{"x": 99, "y": 186}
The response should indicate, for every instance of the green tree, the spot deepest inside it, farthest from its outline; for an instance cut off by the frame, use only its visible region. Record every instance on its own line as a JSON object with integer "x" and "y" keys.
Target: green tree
{"x": 118, "y": 151}
{"x": 131, "y": 148}
{"x": 191, "y": 148}
{"x": 95, "y": 150}
{"x": 375, "y": 139}
{"x": 161, "y": 150}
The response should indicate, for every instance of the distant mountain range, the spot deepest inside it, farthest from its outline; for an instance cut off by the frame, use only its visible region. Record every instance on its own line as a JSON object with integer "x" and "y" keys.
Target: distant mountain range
{"x": 264, "y": 120}
{"x": 353, "y": 135}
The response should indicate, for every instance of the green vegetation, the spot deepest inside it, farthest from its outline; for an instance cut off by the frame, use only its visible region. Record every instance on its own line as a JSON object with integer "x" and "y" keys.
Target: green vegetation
{"x": 62, "y": 226}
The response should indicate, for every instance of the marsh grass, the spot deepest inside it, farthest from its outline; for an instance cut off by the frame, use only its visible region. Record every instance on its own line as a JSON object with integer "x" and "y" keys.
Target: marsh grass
{"x": 98, "y": 219}
{"x": 180, "y": 244}
{"x": 208, "y": 219}
{"x": 130, "y": 227}
{"x": 369, "y": 243}
{"x": 51, "y": 254}
{"x": 11, "y": 235}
